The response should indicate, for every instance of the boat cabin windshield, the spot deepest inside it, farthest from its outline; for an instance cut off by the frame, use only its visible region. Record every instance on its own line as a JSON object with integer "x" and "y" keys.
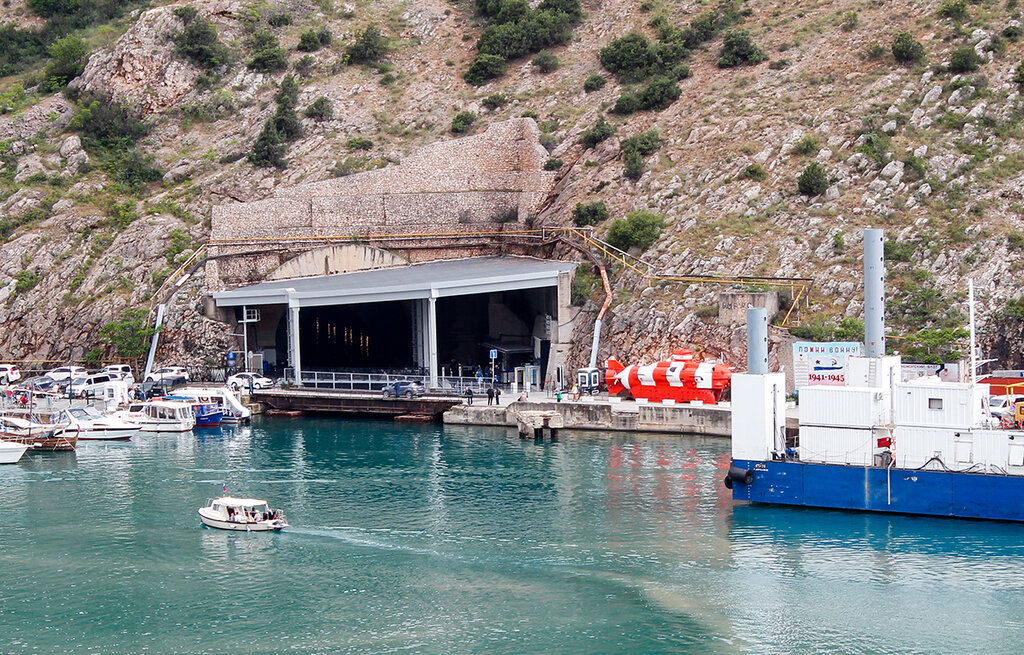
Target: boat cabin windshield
{"x": 80, "y": 414}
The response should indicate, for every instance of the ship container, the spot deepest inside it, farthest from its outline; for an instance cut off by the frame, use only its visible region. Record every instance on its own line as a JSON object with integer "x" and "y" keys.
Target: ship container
{"x": 829, "y": 445}
{"x": 948, "y": 405}
{"x": 844, "y": 407}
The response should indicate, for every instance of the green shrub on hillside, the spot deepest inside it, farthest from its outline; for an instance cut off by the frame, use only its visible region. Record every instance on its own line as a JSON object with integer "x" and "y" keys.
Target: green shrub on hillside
{"x": 494, "y": 101}
{"x": 68, "y": 56}
{"x": 462, "y": 122}
{"x": 515, "y": 30}
{"x": 955, "y": 9}
{"x": 26, "y": 280}
{"x": 595, "y": 135}
{"x": 738, "y": 50}
{"x": 546, "y": 62}
{"x": 594, "y": 83}
{"x": 269, "y": 149}
{"x": 812, "y": 181}
{"x": 591, "y": 213}
{"x": 198, "y": 42}
{"x": 964, "y": 60}
{"x": 132, "y": 169}
{"x": 370, "y": 45}
{"x": 626, "y": 104}
{"x": 553, "y": 164}
{"x": 754, "y": 172}
{"x": 485, "y": 68}
{"x": 906, "y": 49}
{"x": 809, "y": 145}
{"x": 1018, "y": 75}
{"x": 312, "y": 40}
{"x": 640, "y": 229}
{"x": 876, "y": 146}
{"x": 268, "y": 55}
{"x": 659, "y": 94}
{"x": 129, "y": 335}
{"x": 636, "y": 148}
{"x": 321, "y": 109}
{"x": 105, "y": 126}
{"x": 279, "y": 19}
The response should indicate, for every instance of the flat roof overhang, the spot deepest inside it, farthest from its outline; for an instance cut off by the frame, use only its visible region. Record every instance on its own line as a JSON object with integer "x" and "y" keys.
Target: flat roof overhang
{"x": 454, "y": 277}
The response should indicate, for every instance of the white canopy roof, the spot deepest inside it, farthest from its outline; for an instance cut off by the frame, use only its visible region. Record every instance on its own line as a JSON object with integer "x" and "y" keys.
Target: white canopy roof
{"x": 454, "y": 277}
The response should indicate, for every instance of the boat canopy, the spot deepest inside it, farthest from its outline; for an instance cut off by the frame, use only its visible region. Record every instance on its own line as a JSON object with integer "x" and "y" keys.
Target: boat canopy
{"x": 227, "y": 501}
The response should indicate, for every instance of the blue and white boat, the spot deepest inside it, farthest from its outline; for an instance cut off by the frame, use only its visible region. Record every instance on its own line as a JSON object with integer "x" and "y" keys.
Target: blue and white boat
{"x": 208, "y": 415}
{"x": 877, "y": 443}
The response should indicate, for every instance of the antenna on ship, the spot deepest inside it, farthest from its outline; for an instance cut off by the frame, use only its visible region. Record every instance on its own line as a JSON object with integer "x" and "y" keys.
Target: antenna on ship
{"x": 974, "y": 351}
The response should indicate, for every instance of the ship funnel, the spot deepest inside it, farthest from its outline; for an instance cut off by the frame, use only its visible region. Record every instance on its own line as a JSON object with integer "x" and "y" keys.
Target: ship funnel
{"x": 874, "y": 293}
{"x": 757, "y": 340}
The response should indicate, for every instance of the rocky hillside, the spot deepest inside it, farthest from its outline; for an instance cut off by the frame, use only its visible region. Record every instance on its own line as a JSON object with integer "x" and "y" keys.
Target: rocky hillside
{"x": 918, "y": 134}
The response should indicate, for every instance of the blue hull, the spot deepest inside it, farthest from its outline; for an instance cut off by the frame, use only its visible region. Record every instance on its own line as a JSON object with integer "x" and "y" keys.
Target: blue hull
{"x": 933, "y": 493}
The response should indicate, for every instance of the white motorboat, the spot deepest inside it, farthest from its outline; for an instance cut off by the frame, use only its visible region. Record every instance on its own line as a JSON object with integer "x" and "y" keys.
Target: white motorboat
{"x": 92, "y": 425}
{"x": 234, "y": 410}
{"x": 243, "y": 514}
{"x": 38, "y": 436}
{"x": 160, "y": 416}
{"x": 11, "y": 452}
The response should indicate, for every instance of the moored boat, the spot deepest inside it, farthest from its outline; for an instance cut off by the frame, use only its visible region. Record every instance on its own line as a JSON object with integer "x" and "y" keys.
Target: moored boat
{"x": 94, "y": 426}
{"x": 241, "y": 514}
{"x": 161, "y": 416}
{"x": 38, "y": 436}
{"x": 208, "y": 414}
{"x": 11, "y": 452}
{"x": 876, "y": 443}
{"x": 233, "y": 409}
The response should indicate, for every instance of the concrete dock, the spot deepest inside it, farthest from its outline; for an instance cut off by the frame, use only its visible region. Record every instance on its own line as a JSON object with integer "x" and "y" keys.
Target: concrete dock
{"x": 600, "y": 414}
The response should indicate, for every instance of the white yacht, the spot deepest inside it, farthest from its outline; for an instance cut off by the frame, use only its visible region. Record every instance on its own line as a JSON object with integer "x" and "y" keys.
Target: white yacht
{"x": 92, "y": 425}
{"x": 11, "y": 452}
{"x": 160, "y": 416}
{"x": 234, "y": 410}
{"x": 246, "y": 514}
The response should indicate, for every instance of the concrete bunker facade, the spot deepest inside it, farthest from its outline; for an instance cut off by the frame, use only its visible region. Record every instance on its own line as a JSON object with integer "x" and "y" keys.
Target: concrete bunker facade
{"x": 426, "y": 299}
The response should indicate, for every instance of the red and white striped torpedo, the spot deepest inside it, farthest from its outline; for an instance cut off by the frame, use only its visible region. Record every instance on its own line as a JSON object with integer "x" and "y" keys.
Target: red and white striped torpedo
{"x": 682, "y": 379}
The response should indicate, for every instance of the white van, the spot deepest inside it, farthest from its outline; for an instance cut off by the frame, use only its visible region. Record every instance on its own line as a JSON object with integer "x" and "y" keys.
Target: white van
{"x": 90, "y": 385}
{"x": 122, "y": 372}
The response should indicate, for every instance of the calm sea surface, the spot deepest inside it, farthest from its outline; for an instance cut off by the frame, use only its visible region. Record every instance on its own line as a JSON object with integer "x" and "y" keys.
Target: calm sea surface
{"x": 435, "y": 539}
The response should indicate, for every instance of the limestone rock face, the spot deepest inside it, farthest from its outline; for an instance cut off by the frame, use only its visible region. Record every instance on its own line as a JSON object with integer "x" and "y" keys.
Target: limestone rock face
{"x": 141, "y": 69}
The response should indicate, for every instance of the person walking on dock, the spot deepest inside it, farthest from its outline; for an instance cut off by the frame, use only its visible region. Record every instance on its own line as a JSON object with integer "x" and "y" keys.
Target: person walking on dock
{"x": 490, "y": 395}
{"x": 469, "y": 395}
{"x": 497, "y": 395}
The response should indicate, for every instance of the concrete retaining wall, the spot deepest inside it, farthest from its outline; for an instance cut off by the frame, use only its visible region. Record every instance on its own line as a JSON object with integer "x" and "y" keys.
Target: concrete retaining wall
{"x": 709, "y": 420}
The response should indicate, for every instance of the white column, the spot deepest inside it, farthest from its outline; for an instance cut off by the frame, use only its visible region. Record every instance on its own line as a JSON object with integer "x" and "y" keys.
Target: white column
{"x": 294, "y": 348}
{"x": 432, "y": 338}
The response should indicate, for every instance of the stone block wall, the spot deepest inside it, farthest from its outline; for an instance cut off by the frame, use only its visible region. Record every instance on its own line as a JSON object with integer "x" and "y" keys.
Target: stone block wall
{"x": 461, "y": 185}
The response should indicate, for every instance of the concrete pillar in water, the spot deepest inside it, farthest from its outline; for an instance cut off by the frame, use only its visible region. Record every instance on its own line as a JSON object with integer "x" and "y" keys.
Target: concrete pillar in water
{"x": 757, "y": 340}
{"x": 874, "y": 293}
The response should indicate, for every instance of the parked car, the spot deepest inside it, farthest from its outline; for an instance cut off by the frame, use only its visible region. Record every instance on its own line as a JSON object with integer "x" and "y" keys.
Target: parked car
{"x": 67, "y": 372}
{"x": 9, "y": 373}
{"x": 89, "y": 385}
{"x": 241, "y": 381}
{"x": 169, "y": 375}
{"x": 1003, "y": 405}
{"x": 122, "y": 372}
{"x": 404, "y": 389}
{"x": 39, "y": 383}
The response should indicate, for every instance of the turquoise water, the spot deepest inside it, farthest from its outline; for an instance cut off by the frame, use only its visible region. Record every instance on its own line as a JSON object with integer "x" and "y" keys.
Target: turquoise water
{"x": 431, "y": 539}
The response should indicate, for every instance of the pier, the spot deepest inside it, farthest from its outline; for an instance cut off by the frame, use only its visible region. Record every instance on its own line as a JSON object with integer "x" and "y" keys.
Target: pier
{"x": 340, "y": 402}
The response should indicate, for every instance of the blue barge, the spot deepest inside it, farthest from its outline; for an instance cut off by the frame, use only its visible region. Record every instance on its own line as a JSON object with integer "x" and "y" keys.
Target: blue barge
{"x": 876, "y": 443}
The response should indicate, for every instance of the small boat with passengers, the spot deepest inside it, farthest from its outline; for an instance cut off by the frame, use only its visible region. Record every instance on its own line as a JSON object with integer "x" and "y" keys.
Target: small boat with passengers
{"x": 94, "y": 426}
{"x": 243, "y": 514}
{"x": 38, "y": 436}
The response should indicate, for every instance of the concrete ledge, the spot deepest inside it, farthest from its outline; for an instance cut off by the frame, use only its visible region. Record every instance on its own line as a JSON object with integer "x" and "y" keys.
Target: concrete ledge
{"x": 678, "y": 419}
